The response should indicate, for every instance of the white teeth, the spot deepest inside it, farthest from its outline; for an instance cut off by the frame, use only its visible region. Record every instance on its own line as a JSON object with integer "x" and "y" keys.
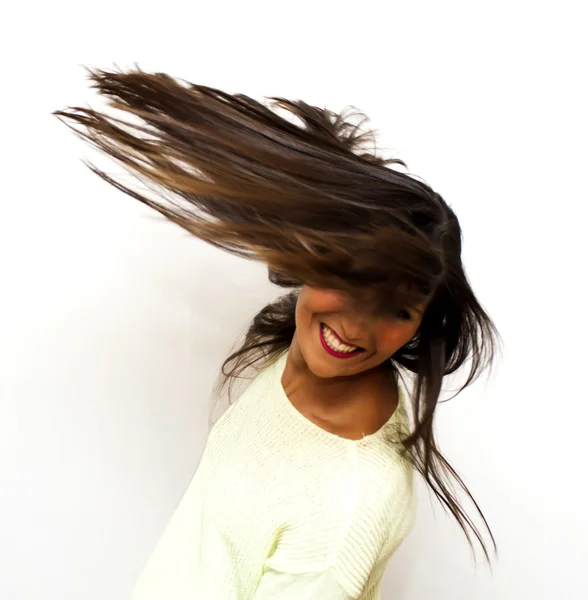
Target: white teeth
{"x": 333, "y": 343}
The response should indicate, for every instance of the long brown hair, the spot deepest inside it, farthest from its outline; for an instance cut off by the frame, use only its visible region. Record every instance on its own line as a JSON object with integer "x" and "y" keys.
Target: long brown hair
{"x": 295, "y": 186}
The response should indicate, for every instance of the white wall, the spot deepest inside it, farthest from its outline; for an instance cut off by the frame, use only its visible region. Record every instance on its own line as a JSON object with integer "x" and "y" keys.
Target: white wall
{"x": 113, "y": 322}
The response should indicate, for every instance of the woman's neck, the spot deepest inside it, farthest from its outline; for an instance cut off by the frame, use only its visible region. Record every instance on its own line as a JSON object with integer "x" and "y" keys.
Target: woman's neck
{"x": 367, "y": 399}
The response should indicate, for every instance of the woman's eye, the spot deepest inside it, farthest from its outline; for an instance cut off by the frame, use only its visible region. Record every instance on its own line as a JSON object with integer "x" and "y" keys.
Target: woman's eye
{"x": 405, "y": 315}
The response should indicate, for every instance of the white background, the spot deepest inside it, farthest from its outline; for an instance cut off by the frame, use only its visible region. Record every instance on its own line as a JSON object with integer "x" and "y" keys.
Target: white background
{"x": 114, "y": 322}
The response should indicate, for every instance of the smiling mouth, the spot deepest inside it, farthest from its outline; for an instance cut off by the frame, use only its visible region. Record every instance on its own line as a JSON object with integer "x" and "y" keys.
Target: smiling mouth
{"x": 333, "y": 344}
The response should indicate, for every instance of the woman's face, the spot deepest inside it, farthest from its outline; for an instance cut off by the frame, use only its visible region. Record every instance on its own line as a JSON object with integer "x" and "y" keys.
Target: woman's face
{"x": 377, "y": 337}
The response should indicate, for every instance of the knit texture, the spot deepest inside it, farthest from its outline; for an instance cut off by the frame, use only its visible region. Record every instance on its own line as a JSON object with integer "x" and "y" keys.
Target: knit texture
{"x": 280, "y": 508}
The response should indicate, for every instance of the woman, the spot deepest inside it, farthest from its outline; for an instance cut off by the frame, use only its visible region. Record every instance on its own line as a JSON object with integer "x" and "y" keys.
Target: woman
{"x": 305, "y": 487}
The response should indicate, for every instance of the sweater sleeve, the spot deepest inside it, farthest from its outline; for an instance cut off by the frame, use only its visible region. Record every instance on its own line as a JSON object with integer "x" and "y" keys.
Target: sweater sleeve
{"x": 278, "y": 585}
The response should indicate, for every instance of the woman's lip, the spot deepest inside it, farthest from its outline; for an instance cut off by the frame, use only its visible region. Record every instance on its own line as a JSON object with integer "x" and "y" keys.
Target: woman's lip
{"x": 341, "y": 339}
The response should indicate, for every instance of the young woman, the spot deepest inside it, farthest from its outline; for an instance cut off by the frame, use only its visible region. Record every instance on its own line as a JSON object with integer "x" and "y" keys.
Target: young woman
{"x": 305, "y": 487}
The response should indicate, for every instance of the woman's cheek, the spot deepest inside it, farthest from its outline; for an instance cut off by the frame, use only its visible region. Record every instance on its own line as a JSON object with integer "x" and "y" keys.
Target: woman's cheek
{"x": 395, "y": 337}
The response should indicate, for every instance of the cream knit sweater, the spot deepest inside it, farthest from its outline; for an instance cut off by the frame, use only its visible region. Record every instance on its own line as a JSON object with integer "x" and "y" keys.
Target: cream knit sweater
{"x": 281, "y": 509}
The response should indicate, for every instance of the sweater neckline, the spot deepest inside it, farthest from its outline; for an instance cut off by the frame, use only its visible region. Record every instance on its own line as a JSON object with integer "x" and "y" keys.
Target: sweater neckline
{"x": 317, "y": 430}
